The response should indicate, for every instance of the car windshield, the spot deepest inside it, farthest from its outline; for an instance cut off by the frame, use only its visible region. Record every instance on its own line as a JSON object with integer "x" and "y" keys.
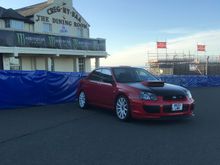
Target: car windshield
{"x": 128, "y": 75}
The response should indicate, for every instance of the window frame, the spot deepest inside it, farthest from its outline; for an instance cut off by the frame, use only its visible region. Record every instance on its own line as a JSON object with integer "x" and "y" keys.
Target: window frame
{"x": 81, "y": 64}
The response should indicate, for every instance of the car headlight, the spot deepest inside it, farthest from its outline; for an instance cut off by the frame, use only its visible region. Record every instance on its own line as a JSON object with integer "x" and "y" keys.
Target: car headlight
{"x": 148, "y": 96}
{"x": 188, "y": 94}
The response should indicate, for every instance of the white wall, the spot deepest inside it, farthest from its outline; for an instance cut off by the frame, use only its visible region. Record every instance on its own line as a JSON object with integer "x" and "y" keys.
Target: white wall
{"x": 61, "y": 63}
{"x": 33, "y": 63}
{"x": 2, "y": 23}
{"x": 87, "y": 65}
{"x": 28, "y": 62}
{"x": 6, "y": 63}
{"x": 29, "y": 27}
{"x": 64, "y": 64}
{"x": 41, "y": 63}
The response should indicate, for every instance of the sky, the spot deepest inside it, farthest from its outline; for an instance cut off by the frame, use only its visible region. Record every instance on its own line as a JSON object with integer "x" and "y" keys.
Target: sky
{"x": 131, "y": 28}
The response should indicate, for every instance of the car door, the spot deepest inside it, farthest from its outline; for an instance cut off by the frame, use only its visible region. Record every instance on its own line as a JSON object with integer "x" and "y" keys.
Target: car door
{"x": 106, "y": 92}
{"x": 93, "y": 85}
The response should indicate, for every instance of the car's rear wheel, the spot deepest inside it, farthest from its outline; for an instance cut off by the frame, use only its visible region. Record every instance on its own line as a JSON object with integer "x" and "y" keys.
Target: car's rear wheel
{"x": 82, "y": 101}
{"x": 122, "y": 108}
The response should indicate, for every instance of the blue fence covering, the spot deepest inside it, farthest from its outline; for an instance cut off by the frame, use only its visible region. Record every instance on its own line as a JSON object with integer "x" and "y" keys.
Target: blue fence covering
{"x": 28, "y": 88}
{"x": 192, "y": 81}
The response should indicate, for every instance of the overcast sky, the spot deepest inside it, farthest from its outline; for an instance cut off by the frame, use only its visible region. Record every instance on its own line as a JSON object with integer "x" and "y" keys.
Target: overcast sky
{"x": 131, "y": 28}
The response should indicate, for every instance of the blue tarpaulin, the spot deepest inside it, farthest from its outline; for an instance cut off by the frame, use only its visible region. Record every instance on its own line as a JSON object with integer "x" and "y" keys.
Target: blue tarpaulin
{"x": 192, "y": 81}
{"x": 28, "y": 88}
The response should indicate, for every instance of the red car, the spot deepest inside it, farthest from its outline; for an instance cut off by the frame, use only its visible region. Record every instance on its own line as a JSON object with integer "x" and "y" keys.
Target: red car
{"x": 134, "y": 92}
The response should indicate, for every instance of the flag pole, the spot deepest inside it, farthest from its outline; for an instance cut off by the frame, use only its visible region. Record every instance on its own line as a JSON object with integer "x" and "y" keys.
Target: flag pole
{"x": 197, "y": 53}
{"x": 166, "y": 49}
{"x": 157, "y": 49}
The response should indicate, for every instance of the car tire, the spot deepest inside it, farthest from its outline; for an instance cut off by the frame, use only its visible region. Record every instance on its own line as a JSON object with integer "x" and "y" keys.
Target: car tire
{"x": 122, "y": 108}
{"x": 82, "y": 100}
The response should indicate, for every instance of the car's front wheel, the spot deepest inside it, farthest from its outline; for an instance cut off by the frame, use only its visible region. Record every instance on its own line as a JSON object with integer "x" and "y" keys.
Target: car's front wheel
{"x": 122, "y": 108}
{"x": 82, "y": 101}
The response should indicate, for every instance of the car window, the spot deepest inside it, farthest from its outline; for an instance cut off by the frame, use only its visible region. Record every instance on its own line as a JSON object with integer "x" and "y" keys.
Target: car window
{"x": 107, "y": 75}
{"x": 144, "y": 75}
{"x": 126, "y": 75}
{"x": 96, "y": 75}
{"x": 102, "y": 75}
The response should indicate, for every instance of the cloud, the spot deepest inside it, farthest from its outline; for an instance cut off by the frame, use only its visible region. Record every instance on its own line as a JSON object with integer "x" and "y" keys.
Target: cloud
{"x": 176, "y": 31}
{"x": 137, "y": 55}
{"x": 134, "y": 56}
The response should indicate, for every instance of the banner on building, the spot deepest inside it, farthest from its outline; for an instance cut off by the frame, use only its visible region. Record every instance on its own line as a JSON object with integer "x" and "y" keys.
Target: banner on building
{"x": 161, "y": 45}
{"x": 201, "y": 48}
{"x": 35, "y": 40}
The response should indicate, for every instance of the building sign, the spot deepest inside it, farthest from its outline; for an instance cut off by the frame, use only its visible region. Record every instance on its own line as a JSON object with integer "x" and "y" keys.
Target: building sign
{"x": 58, "y": 9}
{"x": 35, "y": 40}
{"x": 63, "y": 21}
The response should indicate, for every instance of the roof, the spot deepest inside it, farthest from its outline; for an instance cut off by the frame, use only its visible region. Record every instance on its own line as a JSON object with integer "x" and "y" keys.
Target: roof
{"x": 12, "y": 14}
{"x": 31, "y": 10}
{"x": 2, "y": 10}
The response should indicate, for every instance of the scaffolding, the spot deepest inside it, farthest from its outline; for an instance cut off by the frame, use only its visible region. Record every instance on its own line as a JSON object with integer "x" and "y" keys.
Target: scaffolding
{"x": 183, "y": 64}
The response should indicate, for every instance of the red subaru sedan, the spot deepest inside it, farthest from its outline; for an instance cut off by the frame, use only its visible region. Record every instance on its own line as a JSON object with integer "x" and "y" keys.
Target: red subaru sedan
{"x": 134, "y": 93}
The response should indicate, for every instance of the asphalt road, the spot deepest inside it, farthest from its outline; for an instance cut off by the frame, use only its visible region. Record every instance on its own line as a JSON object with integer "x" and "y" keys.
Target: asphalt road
{"x": 63, "y": 135}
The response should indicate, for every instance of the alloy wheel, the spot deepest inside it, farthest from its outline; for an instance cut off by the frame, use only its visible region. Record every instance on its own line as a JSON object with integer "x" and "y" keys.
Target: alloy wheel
{"x": 122, "y": 108}
{"x": 82, "y": 100}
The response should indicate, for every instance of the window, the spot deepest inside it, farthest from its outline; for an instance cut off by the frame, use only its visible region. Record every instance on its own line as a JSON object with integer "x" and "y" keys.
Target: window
{"x": 144, "y": 75}
{"x": 96, "y": 75}
{"x": 81, "y": 64}
{"x": 14, "y": 24}
{"x": 47, "y": 27}
{"x": 14, "y": 63}
{"x": 102, "y": 75}
{"x": 7, "y": 23}
{"x": 126, "y": 75}
{"x": 107, "y": 75}
{"x": 79, "y": 32}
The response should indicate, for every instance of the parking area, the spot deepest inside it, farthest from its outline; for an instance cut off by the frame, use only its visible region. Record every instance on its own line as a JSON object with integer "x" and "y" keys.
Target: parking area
{"x": 63, "y": 134}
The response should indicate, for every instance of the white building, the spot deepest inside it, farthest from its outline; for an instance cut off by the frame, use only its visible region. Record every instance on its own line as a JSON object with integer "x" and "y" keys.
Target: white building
{"x": 48, "y": 36}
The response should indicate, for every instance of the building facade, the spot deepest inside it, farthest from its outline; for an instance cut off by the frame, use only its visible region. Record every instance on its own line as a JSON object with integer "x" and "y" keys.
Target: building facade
{"x": 49, "y": 36}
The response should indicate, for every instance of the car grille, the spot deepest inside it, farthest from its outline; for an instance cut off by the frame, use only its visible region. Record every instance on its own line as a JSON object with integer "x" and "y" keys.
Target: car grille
{"x": 168, "y": 108}
{"x": 174, "y": 97}
{"x": 152, "y": 109}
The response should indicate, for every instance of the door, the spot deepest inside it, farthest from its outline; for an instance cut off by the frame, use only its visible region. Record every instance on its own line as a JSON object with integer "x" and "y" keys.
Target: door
{"x": 106, "y": 92}
{"x": 92, "y": 85}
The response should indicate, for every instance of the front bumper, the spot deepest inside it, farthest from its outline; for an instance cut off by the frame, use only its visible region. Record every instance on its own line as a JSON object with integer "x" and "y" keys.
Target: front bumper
{"x": 161, "y": 109}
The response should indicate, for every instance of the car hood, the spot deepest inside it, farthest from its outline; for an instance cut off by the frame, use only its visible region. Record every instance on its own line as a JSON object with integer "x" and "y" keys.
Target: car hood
{"x": 159, "y": 88}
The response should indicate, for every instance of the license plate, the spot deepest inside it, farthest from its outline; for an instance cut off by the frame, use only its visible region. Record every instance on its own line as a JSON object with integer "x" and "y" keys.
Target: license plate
{"x": 177, "y": 107}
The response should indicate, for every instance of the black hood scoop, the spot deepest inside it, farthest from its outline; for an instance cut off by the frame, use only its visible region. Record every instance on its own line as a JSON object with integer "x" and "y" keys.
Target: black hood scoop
{"x": 153, "y": 83}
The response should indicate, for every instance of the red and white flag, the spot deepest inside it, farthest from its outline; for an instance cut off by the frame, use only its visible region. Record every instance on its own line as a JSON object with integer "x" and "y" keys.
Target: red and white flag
{"x": 161, "y": 45}
{"x": 201, "y": 48}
